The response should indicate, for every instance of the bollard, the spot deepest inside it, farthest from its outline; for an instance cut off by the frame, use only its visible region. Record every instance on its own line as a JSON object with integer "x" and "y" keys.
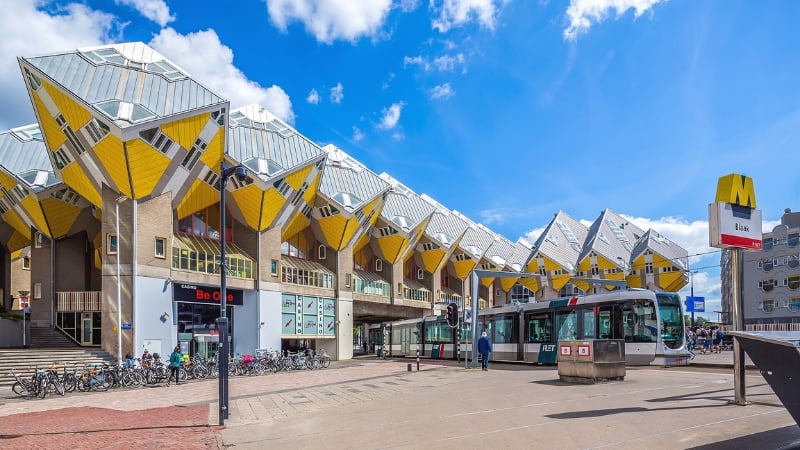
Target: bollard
{"x": 409, "y": 367}
{"x": 417, "y": 360}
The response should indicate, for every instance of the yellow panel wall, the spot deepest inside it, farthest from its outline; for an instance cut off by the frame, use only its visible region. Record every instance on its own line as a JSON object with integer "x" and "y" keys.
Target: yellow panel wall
{"x": 34, "y": 210}
{"x": 249, "y": 200}
{"x": 18, "y": 241}
{"x": 213, "y": 154}
{"x": 361, "y": 242}
{"x": 390, "y": 247}
{"x": 296, "y": 224}
{"x": 53, "y": 135}
{"x": 332, "y": 228}
{"x": 16, "y": 222}
{"x": 60, "y": 216}
{"x": 463, "y": 268}
{"x": 74, "y": 113}
{"x": 73, "y": 176}
{"x": 271, "y": 205}
{"x": 507, "y": 283}
{"x": 199, "y": 196}
{"x": 147, "y": 166}
{"x": 111, "y": 155}
{"x": 530, "y": 283}
{"x": 296, "y": 179}
{"x": 186, "y": 131}
{"x": 432, "y": 259}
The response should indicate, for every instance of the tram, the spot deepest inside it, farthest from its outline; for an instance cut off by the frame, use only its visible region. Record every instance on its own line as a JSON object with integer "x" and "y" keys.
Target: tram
{"x": 650, "y": 323}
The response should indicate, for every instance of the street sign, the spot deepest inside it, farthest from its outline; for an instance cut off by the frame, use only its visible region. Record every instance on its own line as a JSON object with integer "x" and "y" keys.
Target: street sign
{"x": 695, "y": 304}
{"x": 126, "y": 326}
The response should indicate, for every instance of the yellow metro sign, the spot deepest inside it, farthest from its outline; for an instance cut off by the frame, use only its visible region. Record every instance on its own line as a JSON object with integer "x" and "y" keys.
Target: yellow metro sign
{"x": 736, "y": 189}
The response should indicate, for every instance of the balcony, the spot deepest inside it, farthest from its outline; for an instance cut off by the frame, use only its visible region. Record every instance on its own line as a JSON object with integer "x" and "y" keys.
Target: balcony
{"x": 369, "y": 283}
{"x": 305, "y": 273}
{"x": 78, "y": 301}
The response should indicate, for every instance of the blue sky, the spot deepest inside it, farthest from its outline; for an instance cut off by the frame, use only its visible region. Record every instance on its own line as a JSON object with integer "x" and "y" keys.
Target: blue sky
{"x": 505, "y": 110}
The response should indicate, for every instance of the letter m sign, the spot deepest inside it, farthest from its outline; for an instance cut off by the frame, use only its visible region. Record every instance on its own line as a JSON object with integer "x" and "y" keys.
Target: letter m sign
{"x": 736, "y": 189}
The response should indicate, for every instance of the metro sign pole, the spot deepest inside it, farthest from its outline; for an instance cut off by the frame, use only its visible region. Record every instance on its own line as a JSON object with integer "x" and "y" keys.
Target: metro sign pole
{"x": 734, "y": 223}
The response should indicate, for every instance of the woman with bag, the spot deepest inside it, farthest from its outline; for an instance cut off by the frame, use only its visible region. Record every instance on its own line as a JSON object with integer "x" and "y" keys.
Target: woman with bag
{"x": 174, "y": 364}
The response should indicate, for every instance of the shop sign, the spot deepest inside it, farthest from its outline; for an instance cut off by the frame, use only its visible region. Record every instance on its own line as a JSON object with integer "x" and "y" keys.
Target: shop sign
{"x": 192, "y": 293}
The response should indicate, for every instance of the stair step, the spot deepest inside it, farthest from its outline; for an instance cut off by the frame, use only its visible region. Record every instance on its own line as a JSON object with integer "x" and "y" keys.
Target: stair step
{"x": 24, "y": 361}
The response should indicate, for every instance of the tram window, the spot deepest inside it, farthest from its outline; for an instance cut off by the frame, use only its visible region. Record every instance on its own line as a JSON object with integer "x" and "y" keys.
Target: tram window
{"x": 503, "y": 330}
{"x": 540, "y": 328}
{"x": 639, "y": 321}
{"x": 566, "y": 321}
{"x": 589, "y": 331}
{"x": 605, "y": 320}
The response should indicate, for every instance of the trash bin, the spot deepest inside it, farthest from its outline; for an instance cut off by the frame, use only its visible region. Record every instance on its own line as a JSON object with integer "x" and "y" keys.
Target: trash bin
{"x": 435, "y": 351}
{"x": 591, "y": 361}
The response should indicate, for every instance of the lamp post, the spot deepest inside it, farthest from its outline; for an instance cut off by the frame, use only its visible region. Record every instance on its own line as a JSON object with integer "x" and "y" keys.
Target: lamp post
{"x": 117, "y": 202}
{"x": 23, "y": 298}
{"x": 691, "y": 291}
{"x": 222, "y": 323}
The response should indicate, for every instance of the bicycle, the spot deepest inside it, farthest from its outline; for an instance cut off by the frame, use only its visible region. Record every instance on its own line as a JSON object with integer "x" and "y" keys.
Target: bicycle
{"x": 29, "y": 388}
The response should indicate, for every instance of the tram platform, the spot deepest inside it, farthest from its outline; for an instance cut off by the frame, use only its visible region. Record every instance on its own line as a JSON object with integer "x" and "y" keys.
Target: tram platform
{"x": 368, "y": 403}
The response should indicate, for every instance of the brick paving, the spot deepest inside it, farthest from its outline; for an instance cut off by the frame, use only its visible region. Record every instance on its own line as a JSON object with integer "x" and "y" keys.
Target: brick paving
{"x": 103, "y": 428}
{"x": 186, "y": 415}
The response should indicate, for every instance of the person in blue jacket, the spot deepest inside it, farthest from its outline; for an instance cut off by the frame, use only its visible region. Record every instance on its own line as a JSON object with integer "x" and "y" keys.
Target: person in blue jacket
{"x": 174, "y": 364}
{"x": 484, "y": 348}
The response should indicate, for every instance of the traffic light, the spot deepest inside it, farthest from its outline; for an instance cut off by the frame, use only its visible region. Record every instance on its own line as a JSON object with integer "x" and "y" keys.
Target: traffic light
{"x": 452, "y": 315}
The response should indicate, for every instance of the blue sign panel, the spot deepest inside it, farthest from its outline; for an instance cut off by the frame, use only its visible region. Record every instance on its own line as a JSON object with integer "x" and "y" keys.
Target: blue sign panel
{"x": 695, "y": 304}
{"x": 126, "y": 326}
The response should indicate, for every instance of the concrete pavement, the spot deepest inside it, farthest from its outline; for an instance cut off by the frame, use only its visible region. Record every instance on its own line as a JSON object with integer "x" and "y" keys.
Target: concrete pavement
{"x": 366, "y": 403}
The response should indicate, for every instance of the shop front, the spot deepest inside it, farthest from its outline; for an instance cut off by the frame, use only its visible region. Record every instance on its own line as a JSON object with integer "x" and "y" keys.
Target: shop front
{"x": 306, "y": 320}
{"x": 197, "y": 308}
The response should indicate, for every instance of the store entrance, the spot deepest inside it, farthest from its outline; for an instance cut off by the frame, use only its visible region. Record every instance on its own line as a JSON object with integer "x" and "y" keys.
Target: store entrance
{"x": 197, "y": 328}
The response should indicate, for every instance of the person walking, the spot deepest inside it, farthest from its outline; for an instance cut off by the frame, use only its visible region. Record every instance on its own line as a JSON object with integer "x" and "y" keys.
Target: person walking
{"x": 174, "y": 364}
{"x": 484, "y": 348}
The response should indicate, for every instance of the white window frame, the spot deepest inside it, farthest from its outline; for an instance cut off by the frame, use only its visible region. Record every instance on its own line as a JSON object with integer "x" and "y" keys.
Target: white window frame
{"x": 163, "y": 254}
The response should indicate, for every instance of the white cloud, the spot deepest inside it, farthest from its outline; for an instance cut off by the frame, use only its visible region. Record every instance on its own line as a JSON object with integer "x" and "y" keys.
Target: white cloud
{"x": 337, "y": 93}
{"x": 30, "y": 31}
{"x": 452, "y": 13}
{"x": 211, "y": 63}
{"x": 416, "y": 61}
{"x": 441, "y": 91}
{"x": 583, "y": 13}
{"x": 331, "y": 20}
{"x": 357, "y": 134}
{"x": 313, "y": 97}
{"x": 391, "y": 116}
{"x": 155, "y": 10}
{"x": 448, "y": 63}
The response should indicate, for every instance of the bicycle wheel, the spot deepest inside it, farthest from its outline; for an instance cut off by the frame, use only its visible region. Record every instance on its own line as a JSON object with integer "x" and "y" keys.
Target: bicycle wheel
{"x": 69, "y": 382}
{"x": 326, "y": 363}
{"x": 41, "y": 386}
{"x": 55, "y": 385}
{"x": 20, "y": 389}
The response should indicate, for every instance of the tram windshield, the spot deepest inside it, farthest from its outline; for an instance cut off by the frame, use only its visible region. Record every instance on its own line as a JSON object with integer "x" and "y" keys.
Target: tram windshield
{"x": 672, "y": 322}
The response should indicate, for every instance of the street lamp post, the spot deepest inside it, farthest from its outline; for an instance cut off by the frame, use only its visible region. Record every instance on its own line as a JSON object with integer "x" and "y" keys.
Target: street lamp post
{"x": 117, "y": 202}
{"x": 23, "y": 298}
{"x": 222, "y": 323}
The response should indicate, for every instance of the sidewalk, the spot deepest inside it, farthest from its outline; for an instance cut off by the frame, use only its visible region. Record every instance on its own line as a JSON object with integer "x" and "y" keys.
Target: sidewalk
{"x": 367, "y": 403}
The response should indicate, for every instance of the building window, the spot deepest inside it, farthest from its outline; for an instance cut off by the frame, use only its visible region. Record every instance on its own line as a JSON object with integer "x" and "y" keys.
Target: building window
{"x": 766, "y": 244}
{"x": 26, "y": 263}
{"x": 273, "y": 268}
{"x": 38, "y": 239}
{"x": 347, "y": 280}
{"x": 648, "y": 268}
{"x": 378, "y": 265}
{"x": 37, "y": 290}
{"x": 793, "y": 282}
{"x": 160, "y": 250}
{"x": 322, "y": 252}
{"x": 794, "y": 304}
{"x": 111, "y": 244}
{"x": 767, "y": 285}
{"x": 767, "y": 305}
{"x": 767, "y": 264}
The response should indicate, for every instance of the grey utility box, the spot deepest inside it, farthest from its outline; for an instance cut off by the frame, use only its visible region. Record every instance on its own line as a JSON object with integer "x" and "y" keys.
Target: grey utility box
{"x": 591, "y": 361}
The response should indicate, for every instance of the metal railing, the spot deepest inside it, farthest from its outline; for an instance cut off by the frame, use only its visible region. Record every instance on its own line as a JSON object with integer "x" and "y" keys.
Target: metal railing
{"x": 78, "y": 301}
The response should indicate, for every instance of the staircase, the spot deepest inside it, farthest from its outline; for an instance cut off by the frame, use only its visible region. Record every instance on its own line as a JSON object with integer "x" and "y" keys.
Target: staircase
{"x": 25, "y": 361}
{"x": 46, "y": 337}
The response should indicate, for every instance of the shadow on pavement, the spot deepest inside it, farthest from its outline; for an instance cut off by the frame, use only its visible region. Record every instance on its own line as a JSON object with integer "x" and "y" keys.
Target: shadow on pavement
{"x": 785, "y": 438}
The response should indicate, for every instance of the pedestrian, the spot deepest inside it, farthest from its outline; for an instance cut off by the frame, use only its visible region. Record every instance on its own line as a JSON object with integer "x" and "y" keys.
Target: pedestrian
{"x": 174, "y": 364}
{"x": 690, "y": 341}
{"x": 484, "y": 348}
{"x": 147, "y": 359}
{"x": 27, "y": 312}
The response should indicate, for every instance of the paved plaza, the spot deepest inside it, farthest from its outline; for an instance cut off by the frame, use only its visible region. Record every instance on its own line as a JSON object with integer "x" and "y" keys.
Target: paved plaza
{"x": 367, "y": 403}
